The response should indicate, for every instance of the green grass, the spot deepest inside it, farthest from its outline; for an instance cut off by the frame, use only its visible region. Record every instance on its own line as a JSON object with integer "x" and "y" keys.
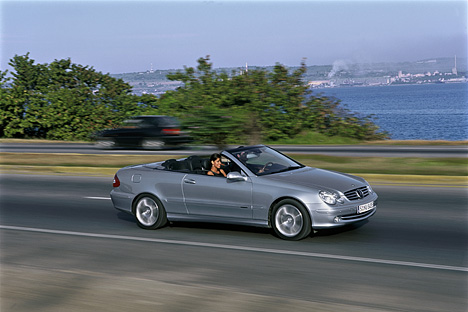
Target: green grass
{"x": 78, "y": 160}
{"x": 315, "y": 138}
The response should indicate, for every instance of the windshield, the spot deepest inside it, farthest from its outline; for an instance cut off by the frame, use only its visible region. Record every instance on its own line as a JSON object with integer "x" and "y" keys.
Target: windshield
{"x": 263, "y": 160}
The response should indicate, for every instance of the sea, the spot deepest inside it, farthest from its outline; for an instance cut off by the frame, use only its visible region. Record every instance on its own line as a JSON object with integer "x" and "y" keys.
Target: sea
{"x": 410, "y": 112}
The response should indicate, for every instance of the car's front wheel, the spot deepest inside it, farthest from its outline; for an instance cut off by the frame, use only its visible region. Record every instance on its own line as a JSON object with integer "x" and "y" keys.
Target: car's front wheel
{"x": 149, "y": 212}
{"x": 291, "y": 220}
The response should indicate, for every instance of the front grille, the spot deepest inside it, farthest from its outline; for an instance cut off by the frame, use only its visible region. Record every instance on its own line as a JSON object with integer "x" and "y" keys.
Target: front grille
{"x": 357, "y": 216}
{"x": 357, "y": 193}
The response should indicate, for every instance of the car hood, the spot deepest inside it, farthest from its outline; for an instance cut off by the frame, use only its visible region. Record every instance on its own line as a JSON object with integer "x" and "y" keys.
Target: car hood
{"x": 319, "y": 178}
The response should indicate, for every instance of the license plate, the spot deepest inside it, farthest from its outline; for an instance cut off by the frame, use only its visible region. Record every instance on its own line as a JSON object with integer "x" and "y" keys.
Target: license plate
{"x": 365, "y": 207}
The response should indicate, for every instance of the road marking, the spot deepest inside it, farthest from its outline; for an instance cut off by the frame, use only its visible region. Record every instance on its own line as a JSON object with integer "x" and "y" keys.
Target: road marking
{"x": 240, "y": 248}
{"x": 91, "y": 197}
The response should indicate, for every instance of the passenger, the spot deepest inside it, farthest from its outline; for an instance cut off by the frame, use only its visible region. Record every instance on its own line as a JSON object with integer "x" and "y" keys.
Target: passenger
{"x": 216, "y": 170}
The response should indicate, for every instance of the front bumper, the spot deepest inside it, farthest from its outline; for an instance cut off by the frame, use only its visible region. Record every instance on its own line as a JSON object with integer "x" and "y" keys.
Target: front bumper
{"x": 325, "y": 216}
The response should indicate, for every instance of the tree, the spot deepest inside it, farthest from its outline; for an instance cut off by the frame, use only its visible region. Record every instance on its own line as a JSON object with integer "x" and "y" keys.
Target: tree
{"x": 204, "y": 104}
{"x": 62, "y": 100}
{"x": 10, "y": 113}
{"x": 265, "y": 105}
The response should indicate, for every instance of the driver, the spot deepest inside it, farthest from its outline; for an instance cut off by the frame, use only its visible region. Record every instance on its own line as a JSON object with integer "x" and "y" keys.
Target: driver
{"x": 266, "y": 167}
{"x": 216, "y": 170}
{"x": 244, "y": 156}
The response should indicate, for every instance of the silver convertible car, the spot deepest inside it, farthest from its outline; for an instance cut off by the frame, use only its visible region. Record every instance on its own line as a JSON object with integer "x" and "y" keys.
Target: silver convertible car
{"x": 263, "y": 188}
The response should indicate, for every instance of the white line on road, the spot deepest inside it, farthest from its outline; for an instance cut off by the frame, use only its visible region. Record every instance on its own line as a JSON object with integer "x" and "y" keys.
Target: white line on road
{"x": 241, "y": 248}
{"x": 91, "y": 197}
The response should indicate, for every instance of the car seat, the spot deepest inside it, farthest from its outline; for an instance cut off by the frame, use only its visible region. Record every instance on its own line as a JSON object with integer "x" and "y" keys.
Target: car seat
{"x": 206, "y": 165}
{"x": 195, "y": 164}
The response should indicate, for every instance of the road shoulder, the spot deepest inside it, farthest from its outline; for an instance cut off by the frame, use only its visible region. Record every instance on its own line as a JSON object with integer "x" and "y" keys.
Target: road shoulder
{"x": 373, "y": 179}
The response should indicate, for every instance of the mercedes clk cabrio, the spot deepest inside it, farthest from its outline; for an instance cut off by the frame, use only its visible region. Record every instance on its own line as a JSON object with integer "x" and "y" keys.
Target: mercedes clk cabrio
{"x": 263, "y": 188}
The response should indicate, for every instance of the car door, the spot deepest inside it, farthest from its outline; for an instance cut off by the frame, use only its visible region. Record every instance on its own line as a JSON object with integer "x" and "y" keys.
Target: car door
{"x": 212, "y": 196}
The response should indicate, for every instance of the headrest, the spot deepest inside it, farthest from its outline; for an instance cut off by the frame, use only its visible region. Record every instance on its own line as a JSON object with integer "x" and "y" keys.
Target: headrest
{"x": 194, "y": 162}
{"x": 206, "y": 164}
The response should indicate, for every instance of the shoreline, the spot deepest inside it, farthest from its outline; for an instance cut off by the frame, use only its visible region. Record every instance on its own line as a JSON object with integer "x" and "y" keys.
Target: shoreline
{"x": 388, "y": 85}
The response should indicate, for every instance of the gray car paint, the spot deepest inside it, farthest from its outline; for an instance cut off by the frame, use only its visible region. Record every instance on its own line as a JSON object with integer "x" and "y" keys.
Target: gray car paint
{"x": 195, "y": 197}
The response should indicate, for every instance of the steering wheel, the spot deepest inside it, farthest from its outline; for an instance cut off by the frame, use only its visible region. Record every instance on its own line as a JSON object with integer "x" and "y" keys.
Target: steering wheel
{"x": 268, "y": 164}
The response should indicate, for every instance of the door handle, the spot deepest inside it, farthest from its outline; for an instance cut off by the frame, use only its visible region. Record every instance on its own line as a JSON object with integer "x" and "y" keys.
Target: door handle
{"x": 190, "y": 181}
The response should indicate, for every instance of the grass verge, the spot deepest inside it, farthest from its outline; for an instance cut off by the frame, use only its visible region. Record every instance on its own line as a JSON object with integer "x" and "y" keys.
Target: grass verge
{"x": 357, "y": 165}
{"x": 388, "y": 165}
{"x": 451, "y": 172}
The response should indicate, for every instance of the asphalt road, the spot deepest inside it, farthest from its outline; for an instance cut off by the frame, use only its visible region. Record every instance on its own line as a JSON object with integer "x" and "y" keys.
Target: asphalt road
{"x": 338, "y": 150}
{"x": 64, "y": 248}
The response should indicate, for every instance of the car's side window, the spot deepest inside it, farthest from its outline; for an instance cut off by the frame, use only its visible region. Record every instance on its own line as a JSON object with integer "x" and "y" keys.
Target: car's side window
{"x": 145, "y": 123}
{"x": 225, "y": 164}
{"x": 231, "y": 166}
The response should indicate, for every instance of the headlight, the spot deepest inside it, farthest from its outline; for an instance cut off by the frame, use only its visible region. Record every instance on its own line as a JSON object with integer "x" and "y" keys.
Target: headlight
{"x": 331, "y": 198}
{"x": 369, "y": 188}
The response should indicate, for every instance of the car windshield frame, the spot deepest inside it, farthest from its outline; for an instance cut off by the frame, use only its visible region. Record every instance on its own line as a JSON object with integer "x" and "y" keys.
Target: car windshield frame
{"x": 263, "y": 160}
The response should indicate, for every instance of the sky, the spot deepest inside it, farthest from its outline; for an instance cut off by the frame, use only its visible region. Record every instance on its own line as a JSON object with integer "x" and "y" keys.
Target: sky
{"x": 131, "y": 36}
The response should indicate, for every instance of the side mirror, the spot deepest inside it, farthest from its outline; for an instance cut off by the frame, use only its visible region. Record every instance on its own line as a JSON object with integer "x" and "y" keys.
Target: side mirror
{"x": 236, "y": 176}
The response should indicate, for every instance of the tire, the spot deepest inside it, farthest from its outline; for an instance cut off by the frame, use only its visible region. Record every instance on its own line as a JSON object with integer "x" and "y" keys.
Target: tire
{"x": 105, "y": 144}
{"x": 290, "y": 220}
{"x": 152, "y": 144}
{"x": 149, "y": 212}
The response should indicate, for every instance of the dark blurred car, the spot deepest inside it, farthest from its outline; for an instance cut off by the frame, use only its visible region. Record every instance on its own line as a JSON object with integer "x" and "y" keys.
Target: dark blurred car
{"x": 148, "y": 132}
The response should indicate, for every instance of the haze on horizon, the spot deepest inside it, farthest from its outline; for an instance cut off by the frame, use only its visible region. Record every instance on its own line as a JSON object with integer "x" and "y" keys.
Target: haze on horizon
{"x": 126, "y": 36}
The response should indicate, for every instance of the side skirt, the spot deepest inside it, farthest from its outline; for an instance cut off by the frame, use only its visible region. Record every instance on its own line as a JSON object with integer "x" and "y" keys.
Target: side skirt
{"x": 211, "y": 219}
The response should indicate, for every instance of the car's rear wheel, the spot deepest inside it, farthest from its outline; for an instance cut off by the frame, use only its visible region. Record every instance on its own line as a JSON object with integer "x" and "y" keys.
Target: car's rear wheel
{"x": 149, "y": 212}
{"x": 152, "y": 144}
{"x": 291, "y": 220}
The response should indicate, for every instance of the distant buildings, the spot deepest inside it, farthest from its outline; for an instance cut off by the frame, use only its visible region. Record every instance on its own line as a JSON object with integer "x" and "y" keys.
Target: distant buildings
{"x": 338, "y": 74}
{"x": 400, "y": 78}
